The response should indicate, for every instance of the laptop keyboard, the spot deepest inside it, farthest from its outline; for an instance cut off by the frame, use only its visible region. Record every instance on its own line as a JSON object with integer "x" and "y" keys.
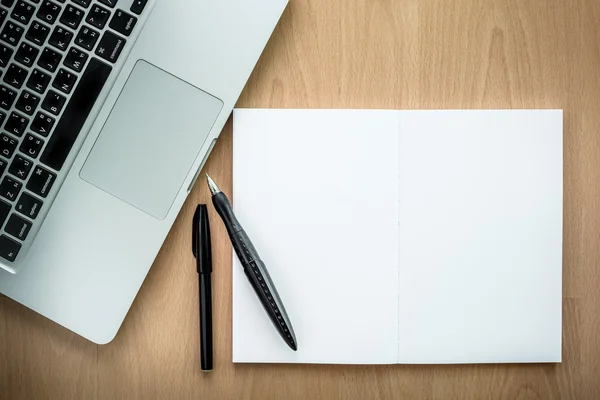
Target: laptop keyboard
{"x": 55, "y": 59}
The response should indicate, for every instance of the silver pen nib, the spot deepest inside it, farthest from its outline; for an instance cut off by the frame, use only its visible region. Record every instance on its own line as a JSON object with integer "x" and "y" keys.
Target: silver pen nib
{"x": 214, "y": 189}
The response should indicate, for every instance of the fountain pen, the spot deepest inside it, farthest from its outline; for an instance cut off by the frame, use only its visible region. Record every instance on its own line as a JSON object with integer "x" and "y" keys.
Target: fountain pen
{"x": 254, "y": 268}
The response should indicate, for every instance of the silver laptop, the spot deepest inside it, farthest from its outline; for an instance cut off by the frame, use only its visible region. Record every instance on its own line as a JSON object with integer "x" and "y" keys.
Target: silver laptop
{"x": 108, "y": 110}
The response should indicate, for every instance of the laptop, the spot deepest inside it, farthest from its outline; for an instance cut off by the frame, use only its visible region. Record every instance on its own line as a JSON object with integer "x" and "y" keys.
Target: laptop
{"x": 108, "y": 111}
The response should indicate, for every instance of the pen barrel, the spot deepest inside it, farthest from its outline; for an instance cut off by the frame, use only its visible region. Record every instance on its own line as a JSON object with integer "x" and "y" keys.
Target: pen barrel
{"x": 206, "y": 333}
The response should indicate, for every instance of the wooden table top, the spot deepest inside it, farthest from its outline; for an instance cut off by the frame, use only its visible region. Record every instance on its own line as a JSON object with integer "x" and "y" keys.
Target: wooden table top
{"x": 393, "y": 54}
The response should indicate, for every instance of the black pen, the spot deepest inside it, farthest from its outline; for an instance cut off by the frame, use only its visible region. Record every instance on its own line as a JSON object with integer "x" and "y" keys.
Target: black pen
{"x": 254, "y": 268}
{"x": 202, "y": 252}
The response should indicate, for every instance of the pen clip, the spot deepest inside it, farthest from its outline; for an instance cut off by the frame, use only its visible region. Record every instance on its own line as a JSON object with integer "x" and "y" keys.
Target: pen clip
{"x": 195, "y": 231}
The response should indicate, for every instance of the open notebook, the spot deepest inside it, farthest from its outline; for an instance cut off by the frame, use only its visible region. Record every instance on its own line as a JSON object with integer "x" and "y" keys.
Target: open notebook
{"x": 402, "y": 236}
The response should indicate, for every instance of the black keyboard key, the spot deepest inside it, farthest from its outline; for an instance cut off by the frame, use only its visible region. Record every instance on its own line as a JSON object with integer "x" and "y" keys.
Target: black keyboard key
{"x": 38, "y": 81}
{"x": 64, "y": 81}
{"x": 5, "y": 55}
{"x": 42, "y": 124}
{"x": 49, "y": 59}
{"x": 15, "y": 76}
{"x": 53, "y": 102}
{"x": 29, "y": 206}
{"x": 20, "y": 167}
{"x": 27, "y": 102}
{"x": 7, "y": 3}
{"x": 18, "y": 227}
{"x": 11, "y": 33}
{"x": 16, "y": 124}
{"x": 7, "y": 145}
{"x": 4, "y": 211}
{"x": 84, "y": 96}
{"x": 37, "y": 33}
{"x": 75, "y": 59}
{"x": 60, "y": 38}
{"x": 3, "y": 14}
{"x": 23, "y": 12}
{"x": 7, "y": 97}
{"x": 110, "y": 46}
{"x": 71, "y": 17}
{"x": 3, "y": 165}
{"x": 97, "y": 16}
{"x": 138, "y": 6}
{"x": 48, "y": 12}
{"x": 41, "y": 181}
{"x": 87, "y": 38}
{"x": 110, "y": 3}
{"x": 83, "y": 3}
{"x": 9, "y": 248}
{"x": 10, "y": 188}
{"x": 123, "y": 22}
{"x": 2, "y": 118}
{"x": 31, "y": 146}
{"x": 26, "y": 54}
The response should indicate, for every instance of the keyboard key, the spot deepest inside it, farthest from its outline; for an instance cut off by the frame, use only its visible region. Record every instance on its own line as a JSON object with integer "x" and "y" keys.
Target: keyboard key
{"x": 98, "y": 16}
{"x": 138, "y": 6}
{"x": 16, "y": 124}
{"x": 31, "y": 146}
{"x": 7, "y": 145}
{"x": 27, "y": 102}
{"x": 82, "y": 100}
{"x": 9, "y": 248}
{"x": 87, "y": 38}
{"x": 110, "y": 46}
{"x": 4, "y": 211}
{"x": 38, "y": 81}
{"x": 60, "y": 38}
{"x": 18, "y": 227}
{"x": 29, "y": 205}
{"x": 15, "y": 76}
{"x": 83, "y": 3}
{"x": 37, "y": 33}
{"x": 2, "y": 118}
{"x": 11, "y": 33}
{"x": 7, "y": 97}
{"x": 26, "y": 54}
{"x": 41, "y": 181}
{"x": 3, "y": 164}
{"x": 75, "y": 59}
{"x": 71, "y": 17}
{"x": 23, "y": 12}
{"x": 64, "y": 81}
{"x": 5, "y": 55}
{"x": 3, "y": 14}
{"x": 53, "y": 102}
{"x": 110, "y": 3}
{"x": 48, "y": 12}
{"x": 49, "y": 59}
{"x": 20, "y": 167}
{"x": 10, "y": 188}
{"x": 42, "y": 124}
{"x": 7, "y": 3}
{"x": 123, "y": 22}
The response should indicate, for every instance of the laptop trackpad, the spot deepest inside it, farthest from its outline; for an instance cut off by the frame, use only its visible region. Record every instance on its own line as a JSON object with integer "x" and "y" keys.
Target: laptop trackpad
{"x": 150, "y": 139}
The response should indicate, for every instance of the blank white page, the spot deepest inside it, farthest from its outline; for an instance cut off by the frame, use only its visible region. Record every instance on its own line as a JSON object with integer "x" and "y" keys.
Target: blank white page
{"x": 480, "y": 206}
{"x": 316, "y": 191}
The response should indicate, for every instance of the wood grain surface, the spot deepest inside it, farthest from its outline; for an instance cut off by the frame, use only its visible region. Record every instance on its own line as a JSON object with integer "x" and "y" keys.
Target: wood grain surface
{"x": 396, "y": 54}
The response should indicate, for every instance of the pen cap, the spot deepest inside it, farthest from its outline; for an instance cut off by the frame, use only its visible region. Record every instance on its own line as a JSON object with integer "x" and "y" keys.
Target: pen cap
{"x": 201, "y": 245}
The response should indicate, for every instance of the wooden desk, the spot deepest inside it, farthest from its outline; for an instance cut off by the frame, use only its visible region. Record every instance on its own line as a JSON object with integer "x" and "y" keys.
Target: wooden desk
{"x": 397, "y": 54}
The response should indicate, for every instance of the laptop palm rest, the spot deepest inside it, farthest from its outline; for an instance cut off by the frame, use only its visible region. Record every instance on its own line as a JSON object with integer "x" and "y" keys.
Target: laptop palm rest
{"x": 150, "y": 139}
